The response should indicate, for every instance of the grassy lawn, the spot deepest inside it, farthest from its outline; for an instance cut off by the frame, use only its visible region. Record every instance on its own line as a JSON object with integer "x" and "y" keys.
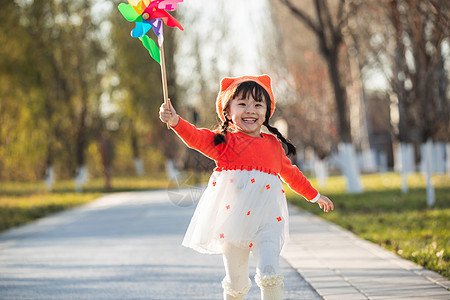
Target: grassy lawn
{"x": 18, "y": 210}
{"x": 26, "y": 201}
{"x": 401, "y": 223}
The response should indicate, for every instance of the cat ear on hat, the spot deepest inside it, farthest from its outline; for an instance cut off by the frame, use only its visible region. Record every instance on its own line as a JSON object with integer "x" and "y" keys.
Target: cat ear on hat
{"x": 266, "y": 80}
{"x": 225, "y": 83}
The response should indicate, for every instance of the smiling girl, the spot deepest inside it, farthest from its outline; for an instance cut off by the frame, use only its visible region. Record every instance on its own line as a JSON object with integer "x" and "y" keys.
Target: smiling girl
{"x": 243, "y": 208}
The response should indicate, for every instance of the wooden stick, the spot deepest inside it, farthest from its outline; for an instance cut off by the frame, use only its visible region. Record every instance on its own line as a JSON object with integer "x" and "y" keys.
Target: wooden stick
{"x": 164, "y": 78}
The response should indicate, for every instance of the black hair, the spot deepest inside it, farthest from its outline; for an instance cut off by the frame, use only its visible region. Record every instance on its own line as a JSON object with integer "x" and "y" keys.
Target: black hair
{"x": 259, "y": 94}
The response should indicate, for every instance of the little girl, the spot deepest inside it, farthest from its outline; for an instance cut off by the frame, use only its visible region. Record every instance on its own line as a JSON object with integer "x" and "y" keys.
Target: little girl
{"x": 243, "y": 208}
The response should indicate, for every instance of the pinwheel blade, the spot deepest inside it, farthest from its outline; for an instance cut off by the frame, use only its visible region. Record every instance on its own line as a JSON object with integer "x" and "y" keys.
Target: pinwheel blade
{"x": 170, "y": 5}
{"x": 165, "y": 16}
{"x": 141, "y": 29}
{"x": 151, "y": 47}
{"x": 158, "y": 30}
{"x": 129, "y": 13}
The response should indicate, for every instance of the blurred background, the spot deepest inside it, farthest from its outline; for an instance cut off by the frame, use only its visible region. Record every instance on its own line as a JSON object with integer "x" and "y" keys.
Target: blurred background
{"x": 361, "y": 86}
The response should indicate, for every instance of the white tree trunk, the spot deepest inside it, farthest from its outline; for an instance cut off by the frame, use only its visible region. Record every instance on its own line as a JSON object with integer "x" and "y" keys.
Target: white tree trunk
{"x": 406, "y": 159}
{"x": 427, "y": 162}
{"x": 350, "y": 167}
{"x": 438, "y": 157}
{"x": 81, "y": 178}
{"x": 368, "y": 160}
{"x": 139, "y": 166}
{"x": 447, "y": 156}
{"x": 171, "y": 170}
{"x": 49, "y": 178}
{"x": 321, "y": 170}
{"x": 383, "y": 162}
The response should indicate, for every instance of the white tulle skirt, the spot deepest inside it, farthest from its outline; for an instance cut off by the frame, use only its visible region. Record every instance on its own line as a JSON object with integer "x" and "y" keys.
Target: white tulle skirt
{"x": 242, "y": 207}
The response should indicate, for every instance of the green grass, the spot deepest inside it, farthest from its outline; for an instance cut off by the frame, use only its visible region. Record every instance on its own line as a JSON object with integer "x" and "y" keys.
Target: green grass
{"x": 94, "y": 185}
{"x": 23, "y": 202}
{"x": 401, "y": 223}
{"x": 18, "y": 210}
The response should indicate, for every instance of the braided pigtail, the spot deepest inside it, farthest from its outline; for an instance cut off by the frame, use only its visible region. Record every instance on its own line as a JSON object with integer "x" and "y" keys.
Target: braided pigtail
{"x": 291, "y": 148}
{"x": 220, "y": 137}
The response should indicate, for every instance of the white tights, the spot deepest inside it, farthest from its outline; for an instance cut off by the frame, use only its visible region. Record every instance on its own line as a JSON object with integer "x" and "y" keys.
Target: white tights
{"x": 236, "y": 283}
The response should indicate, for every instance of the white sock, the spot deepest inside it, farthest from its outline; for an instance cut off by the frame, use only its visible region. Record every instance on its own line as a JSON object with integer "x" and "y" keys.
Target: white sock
{"x": 231, "y": 294}
{"x": 271, "y": 286}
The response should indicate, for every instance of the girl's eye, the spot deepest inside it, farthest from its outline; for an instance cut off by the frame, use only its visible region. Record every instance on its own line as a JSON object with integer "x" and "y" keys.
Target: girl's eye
{"x": 241, "y": 104}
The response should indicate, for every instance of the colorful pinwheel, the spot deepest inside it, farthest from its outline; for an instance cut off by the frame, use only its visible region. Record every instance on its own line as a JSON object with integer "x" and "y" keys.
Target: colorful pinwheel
{"x": 148, "y": 15}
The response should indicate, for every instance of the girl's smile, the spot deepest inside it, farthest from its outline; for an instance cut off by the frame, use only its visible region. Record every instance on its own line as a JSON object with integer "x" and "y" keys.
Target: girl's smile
{"x": 247, "y": 115}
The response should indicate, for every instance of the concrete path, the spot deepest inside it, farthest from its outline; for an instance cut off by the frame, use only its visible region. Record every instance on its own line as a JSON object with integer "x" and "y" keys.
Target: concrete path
{"x": 122, "y": 246}
{"x": 340, "y": 265}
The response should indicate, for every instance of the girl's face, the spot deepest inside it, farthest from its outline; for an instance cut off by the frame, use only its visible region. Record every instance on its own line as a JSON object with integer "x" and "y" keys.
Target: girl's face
{"x": 247, "y": 114}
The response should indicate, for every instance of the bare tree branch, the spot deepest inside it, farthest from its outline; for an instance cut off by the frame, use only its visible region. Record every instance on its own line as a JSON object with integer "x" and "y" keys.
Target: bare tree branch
{"x": 326, "y": 11}
{"x": 340, "y": 11}
{"x": 300, "y": 14}
{"x": 330, "y": 39}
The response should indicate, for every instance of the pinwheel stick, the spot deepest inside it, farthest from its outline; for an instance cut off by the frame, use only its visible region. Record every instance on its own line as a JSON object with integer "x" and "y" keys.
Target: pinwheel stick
{"x": 164, "y": 79}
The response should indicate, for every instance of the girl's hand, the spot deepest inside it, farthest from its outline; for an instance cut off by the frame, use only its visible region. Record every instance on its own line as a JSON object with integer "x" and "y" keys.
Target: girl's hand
{"x": 325, "y": 203}
{"x": 167, "y": 114}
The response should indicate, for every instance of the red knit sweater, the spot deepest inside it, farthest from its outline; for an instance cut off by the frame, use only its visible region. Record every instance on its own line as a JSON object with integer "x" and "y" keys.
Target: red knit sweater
{"x": 245, "y": 152}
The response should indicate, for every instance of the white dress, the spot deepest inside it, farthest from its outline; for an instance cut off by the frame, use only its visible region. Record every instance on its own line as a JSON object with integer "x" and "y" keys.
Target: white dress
{"x": 244, "y": 202}
{"x": 242, "y": 207}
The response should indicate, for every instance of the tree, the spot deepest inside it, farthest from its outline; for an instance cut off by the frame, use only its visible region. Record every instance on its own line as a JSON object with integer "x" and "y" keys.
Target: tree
{"x": 406, "y": 39}
{"x": 328, "y": 27}
{"x": 23, "y": 98}
{"x": 65, "y": 37}
{"x": 50, "y": 58}
{"x": 420, "y": 83}
{"x": 328, "y": 31}
{"x": 312, "y": 118}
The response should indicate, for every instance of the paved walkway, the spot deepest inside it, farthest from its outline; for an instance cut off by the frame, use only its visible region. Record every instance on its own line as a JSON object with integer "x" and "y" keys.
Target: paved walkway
{"x": 122, "y": 246}
{"x": 127, "y": 246}
{"x": 340, "y": 265}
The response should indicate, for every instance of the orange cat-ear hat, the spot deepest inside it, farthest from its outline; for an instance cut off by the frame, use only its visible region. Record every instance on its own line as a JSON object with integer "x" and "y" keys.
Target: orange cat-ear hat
{"x": 229, "y": 84}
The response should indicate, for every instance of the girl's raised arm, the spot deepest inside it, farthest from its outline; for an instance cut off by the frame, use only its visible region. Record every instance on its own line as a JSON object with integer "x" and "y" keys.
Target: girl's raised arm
{"x": 199, "y": 139}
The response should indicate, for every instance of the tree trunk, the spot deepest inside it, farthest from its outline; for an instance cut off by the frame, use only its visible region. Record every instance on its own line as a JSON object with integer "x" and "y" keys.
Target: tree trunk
{"x": 340, "y": 98}
{"x": 329, "y": 36}
{"x": 398, "y": 80}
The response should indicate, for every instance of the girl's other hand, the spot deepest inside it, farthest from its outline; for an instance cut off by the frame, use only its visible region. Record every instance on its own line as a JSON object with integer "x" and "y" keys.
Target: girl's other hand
{"x": 167, "y": 114}
{"x": 325, "y": 203}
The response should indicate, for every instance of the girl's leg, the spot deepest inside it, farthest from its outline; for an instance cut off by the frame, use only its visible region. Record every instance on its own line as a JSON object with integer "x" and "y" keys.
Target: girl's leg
{"x": 268, "y": 275}
{"x": 236, "y": 283}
